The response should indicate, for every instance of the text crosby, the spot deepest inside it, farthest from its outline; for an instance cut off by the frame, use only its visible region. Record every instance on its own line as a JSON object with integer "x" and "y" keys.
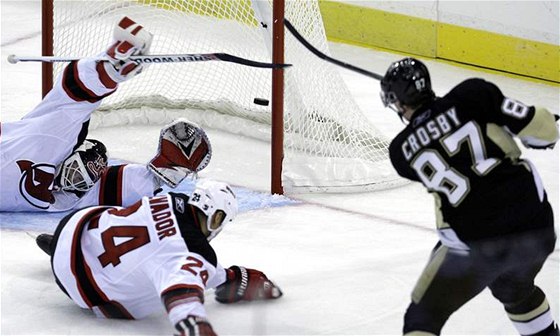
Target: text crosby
{"x": 431, "y": 131}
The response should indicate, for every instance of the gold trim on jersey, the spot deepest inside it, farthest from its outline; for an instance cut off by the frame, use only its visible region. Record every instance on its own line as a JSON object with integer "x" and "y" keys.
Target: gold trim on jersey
{"x": 429, "y": 273}
{"x": 419, "y": 333}
{"x": 504, "y": 140}
{"x": 440, "y": 223}
{"x": 542, "y": 126}
{"x": 543, "y": 307}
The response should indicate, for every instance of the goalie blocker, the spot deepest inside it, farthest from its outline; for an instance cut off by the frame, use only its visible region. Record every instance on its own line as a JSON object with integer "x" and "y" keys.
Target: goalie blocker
{"x": 184, "y": 148}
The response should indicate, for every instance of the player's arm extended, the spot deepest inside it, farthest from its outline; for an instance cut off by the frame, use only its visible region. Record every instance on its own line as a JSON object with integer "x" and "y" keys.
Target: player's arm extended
{"x": 181, "y": 279}
{"x": 125, "y": 184}
{"x": 184, "y": 304}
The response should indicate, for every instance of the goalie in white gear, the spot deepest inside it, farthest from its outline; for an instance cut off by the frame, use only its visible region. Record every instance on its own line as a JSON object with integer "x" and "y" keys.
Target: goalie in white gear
{"x": 48, "y": 165}
{"x": 177, "y": 157}
{"x": 162, "y": 255}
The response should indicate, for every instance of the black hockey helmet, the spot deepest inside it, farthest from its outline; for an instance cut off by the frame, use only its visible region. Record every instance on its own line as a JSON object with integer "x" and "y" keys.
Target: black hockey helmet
{"x": 84, "y": 167}
{"x": 406, "y": 82}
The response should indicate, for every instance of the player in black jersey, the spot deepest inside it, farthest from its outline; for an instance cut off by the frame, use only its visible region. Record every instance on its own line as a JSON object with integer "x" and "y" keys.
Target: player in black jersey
{"x": 494, "y": 221}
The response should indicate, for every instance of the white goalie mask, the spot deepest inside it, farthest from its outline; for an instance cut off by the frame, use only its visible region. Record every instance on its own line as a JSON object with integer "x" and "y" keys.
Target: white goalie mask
{"x": 84, "y": 167}
{"x": 217, "y": 201}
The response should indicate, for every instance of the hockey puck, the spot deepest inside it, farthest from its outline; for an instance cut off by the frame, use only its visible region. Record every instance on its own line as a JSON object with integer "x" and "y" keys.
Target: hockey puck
{"x": 261, "y": 101}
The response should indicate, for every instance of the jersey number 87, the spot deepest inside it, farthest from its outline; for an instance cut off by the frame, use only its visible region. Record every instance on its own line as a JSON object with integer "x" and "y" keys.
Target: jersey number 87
{"x": 437, "y": 175}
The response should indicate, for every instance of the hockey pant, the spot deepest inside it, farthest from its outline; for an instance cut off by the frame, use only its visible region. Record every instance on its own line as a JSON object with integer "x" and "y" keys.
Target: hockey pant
{"x": 507, "y": 266}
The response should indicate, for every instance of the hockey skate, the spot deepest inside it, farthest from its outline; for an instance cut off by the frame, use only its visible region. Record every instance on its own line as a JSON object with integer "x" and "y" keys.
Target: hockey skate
{"x": 44, "y": 241}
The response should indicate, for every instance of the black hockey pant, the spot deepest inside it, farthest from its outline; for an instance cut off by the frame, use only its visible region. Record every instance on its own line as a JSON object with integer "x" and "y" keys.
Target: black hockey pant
{"x": 507, "y": 266}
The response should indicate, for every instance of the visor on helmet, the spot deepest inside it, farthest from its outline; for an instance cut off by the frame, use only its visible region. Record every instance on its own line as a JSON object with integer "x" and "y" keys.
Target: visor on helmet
{"x": 217, "y": 202}
{"x": 391, "y": 101}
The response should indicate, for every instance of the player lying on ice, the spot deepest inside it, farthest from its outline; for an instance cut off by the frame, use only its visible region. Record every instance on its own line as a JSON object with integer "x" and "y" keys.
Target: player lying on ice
{"x": 166, "y": 259}
{"x": 48, "y": 164}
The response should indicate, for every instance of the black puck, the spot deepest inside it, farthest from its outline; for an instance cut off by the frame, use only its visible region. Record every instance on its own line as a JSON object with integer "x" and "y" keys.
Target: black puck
{"x": 261, "y": 101}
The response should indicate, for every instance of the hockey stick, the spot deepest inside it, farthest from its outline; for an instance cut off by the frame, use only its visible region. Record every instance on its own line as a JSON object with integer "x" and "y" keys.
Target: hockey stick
{"x": 153, "y": 59}
{"x": 321, "y": 55}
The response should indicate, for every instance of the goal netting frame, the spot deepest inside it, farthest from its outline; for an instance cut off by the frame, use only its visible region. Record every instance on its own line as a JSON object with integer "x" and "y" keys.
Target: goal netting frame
{"x": 321, "y": 141}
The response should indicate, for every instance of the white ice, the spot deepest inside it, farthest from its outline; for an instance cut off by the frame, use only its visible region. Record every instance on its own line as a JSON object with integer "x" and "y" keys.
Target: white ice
{"x": 345, "y": 262}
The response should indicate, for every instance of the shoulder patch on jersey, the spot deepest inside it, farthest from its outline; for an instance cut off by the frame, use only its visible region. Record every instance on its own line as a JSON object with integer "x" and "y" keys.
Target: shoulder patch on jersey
{"x": 36, "y": 183}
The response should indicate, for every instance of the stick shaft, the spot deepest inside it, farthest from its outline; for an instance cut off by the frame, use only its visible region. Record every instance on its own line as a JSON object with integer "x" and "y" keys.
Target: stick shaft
{"x": 321, "y": 55}
{"x": 154, "y": 59}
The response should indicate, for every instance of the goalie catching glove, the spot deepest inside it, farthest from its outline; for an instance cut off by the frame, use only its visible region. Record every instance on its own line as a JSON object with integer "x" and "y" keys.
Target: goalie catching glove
{"x": 246, "y": 284}
{"x": 183, "y": 149}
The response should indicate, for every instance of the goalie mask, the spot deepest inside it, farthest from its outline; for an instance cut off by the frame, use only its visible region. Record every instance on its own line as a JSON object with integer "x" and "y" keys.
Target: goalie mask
{"x": 407, "y": 82}
{"x": 217, "y": 201}
{"x": 84, "y": 167}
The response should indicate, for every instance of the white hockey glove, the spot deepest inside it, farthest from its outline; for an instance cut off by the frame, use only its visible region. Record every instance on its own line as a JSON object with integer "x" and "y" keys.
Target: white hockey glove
{"x": 129, "y": 38}
{"x": 246, "y": 284}
{"x": 195, "y": 326}
{"x": 183, "y": 149}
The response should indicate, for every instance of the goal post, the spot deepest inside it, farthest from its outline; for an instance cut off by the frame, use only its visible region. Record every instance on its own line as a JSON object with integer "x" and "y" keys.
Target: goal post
{"x": 47, "y": 45}
{"x": 320, "y": 139}
{"x": 277, "y": 122}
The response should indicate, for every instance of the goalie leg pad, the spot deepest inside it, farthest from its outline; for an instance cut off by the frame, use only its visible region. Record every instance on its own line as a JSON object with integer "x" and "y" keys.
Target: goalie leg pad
{"x": 183, "y": 148}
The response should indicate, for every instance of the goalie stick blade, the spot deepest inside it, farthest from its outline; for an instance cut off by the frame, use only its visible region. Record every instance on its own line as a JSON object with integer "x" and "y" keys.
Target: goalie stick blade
{"x": 244, "y": 61}
{"x": 321, "y": 55}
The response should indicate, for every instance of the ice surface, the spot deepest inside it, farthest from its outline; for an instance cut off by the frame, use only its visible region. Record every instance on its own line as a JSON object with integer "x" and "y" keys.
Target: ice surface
{"x": 345, "y": 262}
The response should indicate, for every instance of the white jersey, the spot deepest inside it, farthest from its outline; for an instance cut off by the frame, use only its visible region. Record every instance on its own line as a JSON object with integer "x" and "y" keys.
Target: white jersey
{"x": 32, "y": 149}
{"x": 124, "y": 262}
{"x": 121, "y": 185}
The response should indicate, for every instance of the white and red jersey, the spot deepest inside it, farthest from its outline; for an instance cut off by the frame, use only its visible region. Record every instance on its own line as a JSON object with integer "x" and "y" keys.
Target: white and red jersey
{"x": 121, "y": 185}
{"x": 124, "y": 262}
{"x": 32, "y": 148}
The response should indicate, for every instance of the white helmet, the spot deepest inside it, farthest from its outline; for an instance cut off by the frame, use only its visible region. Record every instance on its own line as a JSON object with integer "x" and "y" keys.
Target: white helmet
{"x": 217, "y": 201}
{"x": 84, "y": 167}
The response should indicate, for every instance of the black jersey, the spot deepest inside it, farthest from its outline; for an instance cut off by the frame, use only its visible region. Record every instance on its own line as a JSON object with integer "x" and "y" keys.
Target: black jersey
{"x": 461, "y": 148}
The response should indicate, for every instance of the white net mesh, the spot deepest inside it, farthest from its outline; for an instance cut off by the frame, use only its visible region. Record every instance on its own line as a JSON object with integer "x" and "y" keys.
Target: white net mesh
{"x": 329, "y": 144}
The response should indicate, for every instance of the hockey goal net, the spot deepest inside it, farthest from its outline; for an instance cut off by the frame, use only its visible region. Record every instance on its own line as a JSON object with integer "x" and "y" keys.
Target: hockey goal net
{"x": 329, "y": 145}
